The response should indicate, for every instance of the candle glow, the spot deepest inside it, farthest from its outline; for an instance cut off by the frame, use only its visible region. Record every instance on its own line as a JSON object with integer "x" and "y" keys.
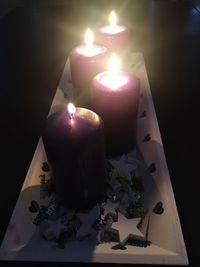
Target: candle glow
{"x": 89, "y": 39}
{"x": 89, "y": 49}
{"x": 112, "y": 28}
{"x": 113, "y": 79}
{"x": 113, "y": 63}
{"x": 112, "y": 19}
{"x": 71, "y": 109}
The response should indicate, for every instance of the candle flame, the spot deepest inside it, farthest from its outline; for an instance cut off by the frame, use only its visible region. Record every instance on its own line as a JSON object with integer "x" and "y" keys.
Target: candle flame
{"x": 112, "y": 18}
{"x": 89, "y": 39}
{"x": 113, "y": 63}
{"x": 71, "y": 109}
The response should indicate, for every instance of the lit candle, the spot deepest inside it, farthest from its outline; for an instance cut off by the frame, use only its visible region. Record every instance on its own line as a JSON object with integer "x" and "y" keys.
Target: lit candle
{"x": 114, "y": 37}
{"x": 85, "y": 62}
{"x": 115, "y": 97}
{"x": 74, "y": 144}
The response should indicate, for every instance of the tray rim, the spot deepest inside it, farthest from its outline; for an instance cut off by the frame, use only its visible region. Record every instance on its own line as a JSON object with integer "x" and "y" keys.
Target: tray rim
{"x": 180, "y": 258}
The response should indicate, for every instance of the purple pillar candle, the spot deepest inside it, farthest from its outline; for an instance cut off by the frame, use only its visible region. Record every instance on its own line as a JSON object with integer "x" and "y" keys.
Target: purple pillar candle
{"x": 74, "y": 143}
{"x": 85, "y": 62}
{"x": 114, "y": 37}
{"x": 115, "y": 98}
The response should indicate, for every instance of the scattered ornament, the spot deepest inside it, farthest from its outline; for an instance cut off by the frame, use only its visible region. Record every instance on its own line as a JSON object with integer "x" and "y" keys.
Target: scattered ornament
{"x": 124, "y": 200}
{"x": 116, "y": 220}
{"x": 137, "y": 185}
{"x": 44, "y": 212}
{"x": 137, "y": 243}
{"x": 123, "y": 165}
{"x": 65, "y": 237}
{"x": 114, "y": 183}
{"x": 128, "y": 228}
{"x": 87, "y": 219}
{"x": 136, "y": 209}
{"x": 41, "y": 216}
{"x": 132, "y": 160}
{"x": 110, "y": 207}
{"x": 115, "y": 172}
{"x": 126, "y": 187}
{"x": 158, "y": 209}
{"x": 52, "y": 229}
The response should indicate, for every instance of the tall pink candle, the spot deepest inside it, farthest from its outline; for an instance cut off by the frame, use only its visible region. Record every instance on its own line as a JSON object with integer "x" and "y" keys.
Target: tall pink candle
{"x": 114, "y": 37}
{"x": 115, "y": 98}
{"x": 85, "y": 62}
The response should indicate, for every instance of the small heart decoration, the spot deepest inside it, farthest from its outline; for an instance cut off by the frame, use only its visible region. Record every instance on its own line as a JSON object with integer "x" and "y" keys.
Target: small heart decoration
{"x": 158, "y": 208}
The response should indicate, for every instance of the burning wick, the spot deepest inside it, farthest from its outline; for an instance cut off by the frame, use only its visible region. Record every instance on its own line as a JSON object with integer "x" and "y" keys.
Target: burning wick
{"x": 71, "y": 110}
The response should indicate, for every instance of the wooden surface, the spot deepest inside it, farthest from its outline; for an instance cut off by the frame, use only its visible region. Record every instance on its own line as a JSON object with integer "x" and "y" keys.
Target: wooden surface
{"x": 35, "y": 42}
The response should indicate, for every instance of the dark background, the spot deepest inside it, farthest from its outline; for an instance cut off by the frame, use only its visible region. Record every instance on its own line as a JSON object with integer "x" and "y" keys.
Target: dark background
{"x": 35, "y": 40}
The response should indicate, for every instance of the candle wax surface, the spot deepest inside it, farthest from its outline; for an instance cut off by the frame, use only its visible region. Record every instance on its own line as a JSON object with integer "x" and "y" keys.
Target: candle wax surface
{"x": 76, "y": 127}
{"x": 112, "y": 29}
{"x": 93, "y": 51}
{"x": 115, "y": 83}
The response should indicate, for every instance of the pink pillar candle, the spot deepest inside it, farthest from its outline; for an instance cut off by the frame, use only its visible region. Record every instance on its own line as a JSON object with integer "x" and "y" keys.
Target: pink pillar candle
{"x": 115, "y": 98}
{"x": 74, "y": 144}
{"x": 115, "y": 38}
{"x": 85, "y": 64}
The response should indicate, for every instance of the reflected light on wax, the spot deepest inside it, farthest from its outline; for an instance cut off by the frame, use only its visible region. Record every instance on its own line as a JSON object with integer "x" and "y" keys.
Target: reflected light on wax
{"x": 113, "y": 79}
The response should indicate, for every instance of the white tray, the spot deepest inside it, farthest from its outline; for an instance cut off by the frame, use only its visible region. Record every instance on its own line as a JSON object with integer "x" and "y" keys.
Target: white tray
{"x": 23, "y": 241}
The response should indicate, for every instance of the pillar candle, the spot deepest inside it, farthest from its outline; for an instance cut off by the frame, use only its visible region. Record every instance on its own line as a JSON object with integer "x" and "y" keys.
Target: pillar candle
{"x": 115, "y": 97}
{"x": 114, "y": 37}
{"x": 85, "y": 62}
{"x": 74, "y": 144}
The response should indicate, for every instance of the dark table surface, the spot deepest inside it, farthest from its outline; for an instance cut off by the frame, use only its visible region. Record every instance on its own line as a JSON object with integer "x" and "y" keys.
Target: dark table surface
{"x": 35, "y": 40}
